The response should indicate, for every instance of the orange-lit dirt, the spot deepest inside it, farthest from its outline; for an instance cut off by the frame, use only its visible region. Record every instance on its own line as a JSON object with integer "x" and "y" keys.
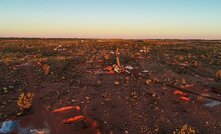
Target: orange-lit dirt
{"x": 159, "y": 85}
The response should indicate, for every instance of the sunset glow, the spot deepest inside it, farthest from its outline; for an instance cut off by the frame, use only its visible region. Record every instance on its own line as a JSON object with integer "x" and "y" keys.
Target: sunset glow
{"x": 111, "y": 18}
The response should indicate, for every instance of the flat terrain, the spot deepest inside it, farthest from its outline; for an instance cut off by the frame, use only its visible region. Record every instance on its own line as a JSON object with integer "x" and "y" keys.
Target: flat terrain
{"x": 162, "y": 85}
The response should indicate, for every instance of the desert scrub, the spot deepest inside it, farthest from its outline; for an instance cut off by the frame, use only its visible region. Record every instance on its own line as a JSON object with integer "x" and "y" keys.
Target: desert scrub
{"x": 218, "y": 74}
{"x": 25, "y": 101}
{"x": 185, "y": 129}
{"x": 46, "y": 69}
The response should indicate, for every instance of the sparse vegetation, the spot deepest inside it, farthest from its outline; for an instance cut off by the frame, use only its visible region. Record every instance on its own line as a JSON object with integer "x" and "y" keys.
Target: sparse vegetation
{"x": 125, "y": 90}
{"x": 25, "y": 101}
{"x": 218, "y": 74}
{"x": 185, "y": 129}
{"x": 46, "y": 69}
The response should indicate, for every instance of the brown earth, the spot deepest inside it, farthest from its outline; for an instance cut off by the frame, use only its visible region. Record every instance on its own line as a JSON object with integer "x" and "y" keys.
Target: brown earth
{"x": 139, "y": 101}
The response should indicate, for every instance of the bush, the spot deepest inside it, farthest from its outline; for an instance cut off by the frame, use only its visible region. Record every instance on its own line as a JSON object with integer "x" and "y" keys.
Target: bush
{"x": 25, "y": 101}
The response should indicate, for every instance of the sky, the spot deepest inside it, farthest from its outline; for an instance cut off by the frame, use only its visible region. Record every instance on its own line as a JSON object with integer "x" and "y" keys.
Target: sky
{"x": 133, "y": 19}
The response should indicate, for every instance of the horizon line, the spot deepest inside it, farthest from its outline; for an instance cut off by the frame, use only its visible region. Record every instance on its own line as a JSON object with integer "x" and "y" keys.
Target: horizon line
{"x": 91, "y": 38}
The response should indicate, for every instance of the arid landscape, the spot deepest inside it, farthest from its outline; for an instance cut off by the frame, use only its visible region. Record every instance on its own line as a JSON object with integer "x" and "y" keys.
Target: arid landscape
{"x": 93, "y": 86}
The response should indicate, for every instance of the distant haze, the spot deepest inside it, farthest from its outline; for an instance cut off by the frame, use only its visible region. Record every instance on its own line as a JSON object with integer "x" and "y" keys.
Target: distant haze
{"x": 143, "y": 19}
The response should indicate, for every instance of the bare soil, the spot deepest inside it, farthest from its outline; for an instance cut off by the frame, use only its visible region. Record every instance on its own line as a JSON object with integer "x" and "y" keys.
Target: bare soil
{"x": 117, "y": 103}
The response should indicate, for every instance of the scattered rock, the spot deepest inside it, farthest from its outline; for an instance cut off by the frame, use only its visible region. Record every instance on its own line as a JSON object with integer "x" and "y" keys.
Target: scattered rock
{"x": 148, "y": 82}
{"x": 116, "y": 82}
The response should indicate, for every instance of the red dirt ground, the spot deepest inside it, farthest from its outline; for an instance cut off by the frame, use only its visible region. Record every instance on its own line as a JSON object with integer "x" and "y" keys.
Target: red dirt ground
{"x": 141, "y": 102}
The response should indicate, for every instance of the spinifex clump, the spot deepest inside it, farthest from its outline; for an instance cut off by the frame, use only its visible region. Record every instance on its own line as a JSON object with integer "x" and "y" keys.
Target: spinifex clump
{"x": 25, "y": 101}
